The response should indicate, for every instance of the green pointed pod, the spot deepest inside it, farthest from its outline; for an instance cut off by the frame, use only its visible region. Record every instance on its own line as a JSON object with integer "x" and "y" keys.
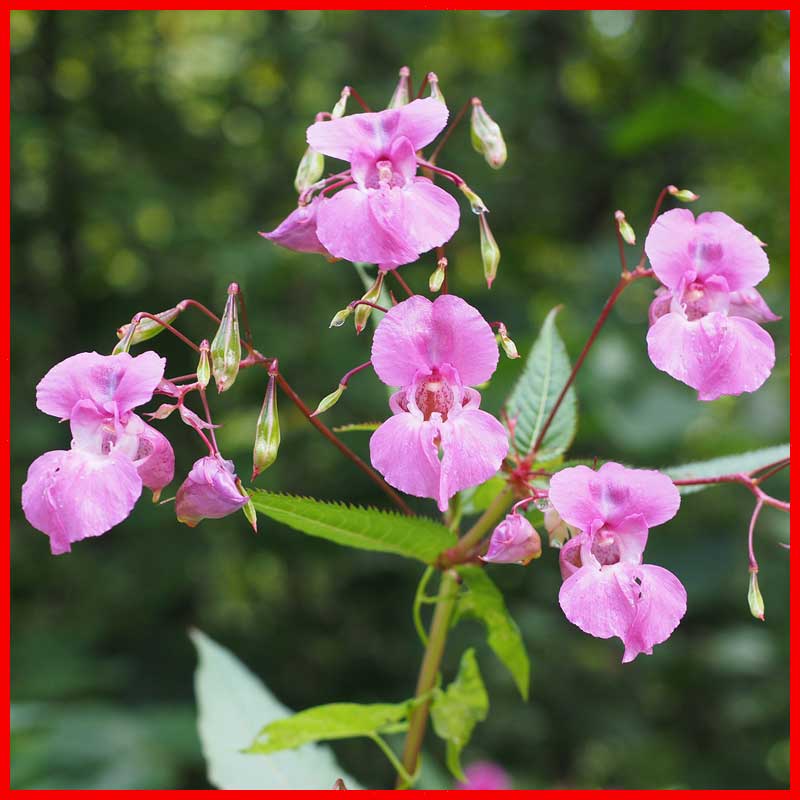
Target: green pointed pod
{"x": 625, "y": 229}
{"x": 372, "y": 295}
{"x": 340, "y": 317}
{"x": 490, "y": 252}
{"x": 438, "y": 275}
{"x": 436, "y": 92}
{"x": 146, "y": 328}
{"x": 486, "y": 136}
{"x": 248, "y": 509}
{"x": 309, "y": 170}
{"x": 226, "y": 348}
{"x": 684, "y": 195}
{"x": 204, "y": 365}
{"x": 341, "y": 104}
{"x": 268, "y": 431}
{"x": 506, "y": 342}
{"x": 401, "y": 94}
{"x": 754, "y": 598}
{"x": 330, "y": 400}
{"x": 475, "y": 203}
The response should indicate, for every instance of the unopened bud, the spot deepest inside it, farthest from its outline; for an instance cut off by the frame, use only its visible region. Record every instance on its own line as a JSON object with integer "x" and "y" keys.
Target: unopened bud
{"x": 226, "y": 349}
{"x": 330, "y": 400}
{"x": 476, "y": 204}
{"x": 436, "y": 92}
{"x": 341, "y": 104}
{"x": 147, "y": 328}
{"x": 625, "y": 230}
{"x": 204, "y": 366}
{"x": 754, "y": 597}
{"x": 506, "y": 342}
{"x": 248, "y": 509}
{"x": 684, "y": 195}
{"x": 514, "y": 541}
{"x": 372, "y": 295}
{"x": 487, "y": 138}
{"x": 340, "y": 317}
{"x": 557, "y": 530}
{"x": 438, "y": 275}
{"x": 490, "y": 252}
{"x": 268, "y": 431}
{"x": 401, "y": 95}
{"x": 309, "y": 170}
{"x": 124, "y": 344}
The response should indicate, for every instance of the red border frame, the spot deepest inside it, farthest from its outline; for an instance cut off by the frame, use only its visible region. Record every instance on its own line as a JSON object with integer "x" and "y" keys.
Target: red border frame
{"x": 5, "y": 352}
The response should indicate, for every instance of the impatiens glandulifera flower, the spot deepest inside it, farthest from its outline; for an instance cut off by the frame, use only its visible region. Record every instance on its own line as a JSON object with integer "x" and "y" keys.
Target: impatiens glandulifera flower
{"x": 299, "y": 230}
{"x": 485, "y": 776}
{"x": 514, "y": 541}
{"x": 210, "y": 491}
{"x": 704, "y": 320}
{"x": 607, "y": 590}
{"x": 438, "y": 441}
{"x": 87, "y": 490}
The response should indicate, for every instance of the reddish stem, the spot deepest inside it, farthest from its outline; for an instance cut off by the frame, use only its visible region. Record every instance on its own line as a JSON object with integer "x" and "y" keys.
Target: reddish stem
{"x": 445, "y": 173}
{"x": 750, "y": 552}
{"x": 659, "y": 200}
{"x": 450, "y": 128}
{"x": 746, "y": 480}
{"x": 185, "y": 339}
{"x": 210, "y": 314}
{"x": 346, "y": 377}
{"x": 207, "y": 411}
{"x": 422, "y": 87}
{"x": 406, "y": 288}
{"x": 359, "y": 99}
{"x": 357, "y": 303}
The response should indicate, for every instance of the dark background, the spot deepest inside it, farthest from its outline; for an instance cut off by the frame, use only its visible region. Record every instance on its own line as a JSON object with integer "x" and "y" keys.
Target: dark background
{"x": 149, "y": 148}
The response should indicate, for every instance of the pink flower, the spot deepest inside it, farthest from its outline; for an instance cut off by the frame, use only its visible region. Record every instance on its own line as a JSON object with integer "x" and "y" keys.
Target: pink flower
{"x": 87, "y": 490}
{"x": 485, "y": 776}
{"x": 209, "y": 492}
{"x": 704, "y": 321}
{"x": 607, "y": 590}
{"x": 438, "y": 441}
{"x": 299, "y": 230}
{"x": 514, "y": 541}
{"x": 390, "y": 215}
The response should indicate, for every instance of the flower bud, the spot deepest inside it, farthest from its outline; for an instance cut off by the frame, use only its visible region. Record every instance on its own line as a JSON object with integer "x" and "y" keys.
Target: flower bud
{"x": 147, "y": 328}
{"x": 754, "y": 598}
{"x": 341, "y": 104}
{"x": 372, "y": 295}
{"x": 506, "y": 342}
{"x": 248, "y": 509}
{"x": 624, "y": 227}
{"x": 226, "y": 349}
{"x": 330, "y": 400}
{"x": 490, "y": 252}
{"x": 514, "y": 541}
{"x": 209, "y": 492}
{"x": 557, "y": 530}
{"x": 309, "y": 170}
{"x": 401, "y": 95}
{"x": 476, "y": 204}
{"x": 438, "y": 275}
{"x": 204, "y": 367}
{"x": 684, "y": 195}
{"x": 268, "y": 432}
{"x": 436, "y": 92}
{"x": 487, "y": 138}
{"x": 340, "y": 317}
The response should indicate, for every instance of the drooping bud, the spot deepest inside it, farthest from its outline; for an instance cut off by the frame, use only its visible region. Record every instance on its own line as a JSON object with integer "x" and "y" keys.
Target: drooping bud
{"x": 438, "y": 275}
{"x": 204, "y": 366}
{"x": 557, "y": 530}
{"x": 754, "y": 598}
{"x": 124, "y": 344}
{"x": 309, "y": 170}
{"x": 401, "y": 94}
{"x": 490, "y": 252}
{"x": 147, "y": 328}
{"x": 436, "y": 92}
{"x": 625, "y": 229}
{"x": 476, "y": 204}
{"x": 340, "y": 317}
{"x": 372, "y": 295}
{"x": 487, "y": 138}
{"x": 684, "y": 195}
{"x": 506, "y": 342}
{"x": 268, "y": 431}
{"x": 514, "y": 541}
{"x": 210, "y": 491}
{"x": 341, "y": 104}
{"x": 226, "y": 349}
{"x": 330, "y": 400}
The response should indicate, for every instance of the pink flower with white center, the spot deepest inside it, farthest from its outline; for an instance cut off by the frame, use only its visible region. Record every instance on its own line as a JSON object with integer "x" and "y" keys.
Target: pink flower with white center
{"x": 438, "y": 442}
{"x": 704, "y": 321}
{"x": 607, "y": 590}
{"x": 209, "y": 492}
{"x": 87, "y": 490}
{"x": 390, "y": 216}
{"x": 485, "y": 776}
{"x": 514, "y": 541}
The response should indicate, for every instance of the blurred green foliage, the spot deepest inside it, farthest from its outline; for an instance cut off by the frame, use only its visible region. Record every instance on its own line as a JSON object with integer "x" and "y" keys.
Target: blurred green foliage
{"x": 148, "y": 148}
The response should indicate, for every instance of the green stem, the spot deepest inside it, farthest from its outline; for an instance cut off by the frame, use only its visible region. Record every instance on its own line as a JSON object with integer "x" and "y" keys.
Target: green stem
{"x": 419, "y": 599}
{"x": 389, "y": 753}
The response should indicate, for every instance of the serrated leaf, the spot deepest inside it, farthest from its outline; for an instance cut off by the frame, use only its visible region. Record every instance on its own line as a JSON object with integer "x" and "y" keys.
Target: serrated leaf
{"x": 329, "y": 722}
{"x": 485, "y": 602}
{"x": 232, "y": 706}
{"x": 357, "y": 426}
{"x": 459, "y": 708}
{"x": 547, "y": 369}
{"x": 354, "y": 526}
{"x": 726, "y": 465}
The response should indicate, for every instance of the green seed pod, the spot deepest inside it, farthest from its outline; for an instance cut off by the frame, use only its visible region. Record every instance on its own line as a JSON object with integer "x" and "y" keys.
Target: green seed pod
{"x": 309, "y": 170}
{"x": 204, "y": 366}
{"x": 754, "y": 598}
{"x": 486, "y": 136}
{"x": 490, "y": 252}
{"x": 146, "y": 328}
{"x": 226, "y": 349}
{"x": 401, "y": 94}
{"x": 268, "y": 431}
{"x": 329, "y": 401}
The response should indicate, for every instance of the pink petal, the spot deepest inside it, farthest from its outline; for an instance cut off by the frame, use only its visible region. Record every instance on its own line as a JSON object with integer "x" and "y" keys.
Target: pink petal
{"x": 667, "y": 245}
{"x": 66, "y": 383}
{"x": 154, "y": 458}
{"x": 299, "y": 230}
{"x": 400, "y": 344}
{"x": 367, "y": 226}
{"x": 474, "y": 445}
{"x": 749, "y": 303}
{"x": 430, "y": 215}
{"x": 485, "y": 776}
{"x": 420, "y": 121}
{"x": 209, "y": 492}
{"x": 569, "y": 556}
{"x": 404, "y": 452}
{"x": 72, "y": 494}
{"x": 717, "y": 355}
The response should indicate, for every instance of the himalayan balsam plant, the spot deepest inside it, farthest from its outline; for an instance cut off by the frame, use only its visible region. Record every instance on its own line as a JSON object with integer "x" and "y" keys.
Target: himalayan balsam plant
{"x": 495, "y": 475}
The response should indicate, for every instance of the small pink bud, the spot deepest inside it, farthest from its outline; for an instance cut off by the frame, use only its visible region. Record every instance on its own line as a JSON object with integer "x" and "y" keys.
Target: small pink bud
{"x": 209, "y": 492}
{"x": 514, "y": 541}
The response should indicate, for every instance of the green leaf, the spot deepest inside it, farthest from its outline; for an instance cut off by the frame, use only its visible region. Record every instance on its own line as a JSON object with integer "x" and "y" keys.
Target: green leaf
{"x": 357, "y": 426}
{"x": 485, "y": 602}
{"x": 333, "y": 721}
{"x": 726, "y": 465}
{"x": 458, "y": 709}
{"x": 534, "y": 395}
{"x": 479, "y": 498}
{"x": 354, "y": 526}
{"x": 232, "y": 706}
